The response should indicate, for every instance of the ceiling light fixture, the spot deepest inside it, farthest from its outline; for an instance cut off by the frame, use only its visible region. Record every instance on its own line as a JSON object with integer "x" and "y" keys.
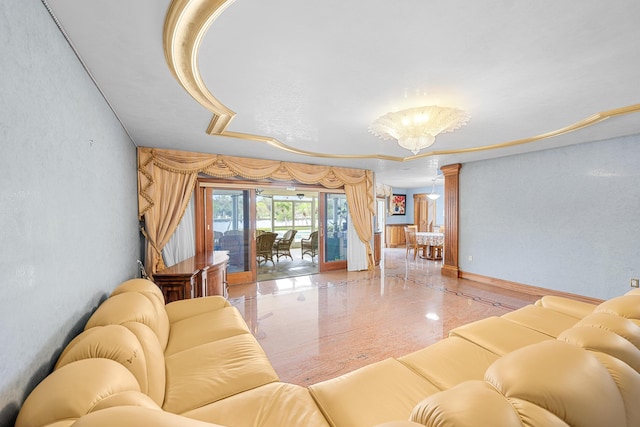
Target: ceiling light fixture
{"x": 433, "y": 195}
{"x": 417, "y": 128}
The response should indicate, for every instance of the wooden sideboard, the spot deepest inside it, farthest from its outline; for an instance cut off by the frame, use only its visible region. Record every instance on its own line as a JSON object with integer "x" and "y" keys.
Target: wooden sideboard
{"x": 198, "y": 276}
{"x": 394, "y": 235}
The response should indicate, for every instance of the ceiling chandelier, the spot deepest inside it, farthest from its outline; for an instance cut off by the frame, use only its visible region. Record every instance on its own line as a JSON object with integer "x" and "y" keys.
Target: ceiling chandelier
{"x": 417, "y": 128}
{"x": 433, "y": 195}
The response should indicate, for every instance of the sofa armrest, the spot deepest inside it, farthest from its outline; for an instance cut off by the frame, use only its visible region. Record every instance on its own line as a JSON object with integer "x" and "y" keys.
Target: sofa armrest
{"x": 577, "y": 309}
{"x": 183, "y": 309}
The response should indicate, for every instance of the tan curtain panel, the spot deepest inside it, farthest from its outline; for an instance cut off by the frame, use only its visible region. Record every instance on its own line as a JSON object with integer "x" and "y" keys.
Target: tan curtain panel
{"x": 166, "y": 179}
{"x": 164, "y": 195}
{"x": 362, "y": 208}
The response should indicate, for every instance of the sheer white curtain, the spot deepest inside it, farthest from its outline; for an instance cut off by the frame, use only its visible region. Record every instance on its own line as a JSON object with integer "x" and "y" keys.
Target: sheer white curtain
{"x": 356, "y": 250}
{"x": 182, "y": 244}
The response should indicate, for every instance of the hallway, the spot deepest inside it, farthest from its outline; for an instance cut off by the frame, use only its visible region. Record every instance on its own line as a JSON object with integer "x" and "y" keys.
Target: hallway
{"x": 319, "y": 326}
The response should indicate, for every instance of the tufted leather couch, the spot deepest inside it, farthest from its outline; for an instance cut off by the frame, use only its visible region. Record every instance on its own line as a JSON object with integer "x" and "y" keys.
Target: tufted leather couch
{"x": 195, "y": 363}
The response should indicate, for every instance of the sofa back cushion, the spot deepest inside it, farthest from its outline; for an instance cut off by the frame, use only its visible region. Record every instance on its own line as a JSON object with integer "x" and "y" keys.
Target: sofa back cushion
{"x": 627, "y": 306}
{"x": 132, "y": 307}
{"x": 152, "y": 292}
{"x": 564, "y": 380}
{"x": 142, "y": 286}
{"x": 471, "y": 403}
{"x": 79, "y": 388}
{"x": 607, "y": 333}
{"x": 550, "y": 383}
{"x": 131, "y": 344}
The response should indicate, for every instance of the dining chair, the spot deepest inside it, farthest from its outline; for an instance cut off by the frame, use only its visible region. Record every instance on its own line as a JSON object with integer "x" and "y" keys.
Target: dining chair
{"x": 438, "y": 251}
{"x": 410, "y": 240}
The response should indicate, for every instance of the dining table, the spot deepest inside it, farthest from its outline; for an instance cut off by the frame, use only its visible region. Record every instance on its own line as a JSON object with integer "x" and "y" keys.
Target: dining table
{"x": 431, "y": 244}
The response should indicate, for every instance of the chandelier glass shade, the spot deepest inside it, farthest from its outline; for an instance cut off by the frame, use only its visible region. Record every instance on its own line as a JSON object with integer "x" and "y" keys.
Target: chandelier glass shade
{"x": 417, "y": 128}
{"x": 433, "y": 195}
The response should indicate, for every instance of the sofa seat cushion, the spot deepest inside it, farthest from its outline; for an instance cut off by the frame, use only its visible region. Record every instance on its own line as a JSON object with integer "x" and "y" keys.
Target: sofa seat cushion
{"x": 499, "y": 335}
{"x": 450, "y": 361}
{"x": 185, "y": 308}
{"x": 381, "y": 392}
{"x": 548, "y": 322}
{"x": 204, "y": 328}
{"x": 271, "y": 405}
{"x": 207, "y": 373}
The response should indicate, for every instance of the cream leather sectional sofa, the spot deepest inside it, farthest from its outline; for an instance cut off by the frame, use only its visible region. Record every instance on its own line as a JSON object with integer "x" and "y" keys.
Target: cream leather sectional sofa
{"x": 194, "y": 363}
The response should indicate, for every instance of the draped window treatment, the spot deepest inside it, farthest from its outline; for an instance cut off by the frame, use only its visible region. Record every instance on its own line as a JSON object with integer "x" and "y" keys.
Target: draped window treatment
{"x": 182, "y": 244}
{"x": 167, "y": 178}
{"x": 357, "y": 259}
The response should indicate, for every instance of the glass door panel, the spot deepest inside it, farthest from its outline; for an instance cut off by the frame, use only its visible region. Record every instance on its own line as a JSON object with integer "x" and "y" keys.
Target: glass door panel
{"x": 334, "y": 232}
{"x": 230, "y": 225}
{"x": 304, "y": 219}
{"x": 264, "y": 213}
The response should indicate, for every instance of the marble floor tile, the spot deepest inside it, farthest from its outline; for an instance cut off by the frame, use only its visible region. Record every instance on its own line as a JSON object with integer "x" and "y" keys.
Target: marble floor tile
{"x": 318, "y": 326}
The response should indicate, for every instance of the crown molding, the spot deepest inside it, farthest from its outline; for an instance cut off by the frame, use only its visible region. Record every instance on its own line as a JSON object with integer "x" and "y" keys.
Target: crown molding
{"x": 187, "y": 22}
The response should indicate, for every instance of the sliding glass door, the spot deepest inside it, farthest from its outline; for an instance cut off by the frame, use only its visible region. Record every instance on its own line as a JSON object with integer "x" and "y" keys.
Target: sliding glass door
{"x": 227, "y": 227}
{"x": 229, "y": 217}
{"x": 334, "y": 214}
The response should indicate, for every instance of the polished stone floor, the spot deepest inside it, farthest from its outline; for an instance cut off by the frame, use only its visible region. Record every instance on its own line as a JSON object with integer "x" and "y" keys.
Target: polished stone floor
{"x": 319, "y": 326}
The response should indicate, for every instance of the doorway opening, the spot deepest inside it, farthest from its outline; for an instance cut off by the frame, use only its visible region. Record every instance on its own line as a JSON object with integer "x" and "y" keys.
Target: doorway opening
{"x": 291, "y": 214}
{"x": 305, "y": 228}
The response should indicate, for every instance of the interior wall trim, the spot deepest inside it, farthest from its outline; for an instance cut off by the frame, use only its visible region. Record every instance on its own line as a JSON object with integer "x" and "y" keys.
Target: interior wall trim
{"x": 186, "y": 24}
{"x": 522, "y": 288}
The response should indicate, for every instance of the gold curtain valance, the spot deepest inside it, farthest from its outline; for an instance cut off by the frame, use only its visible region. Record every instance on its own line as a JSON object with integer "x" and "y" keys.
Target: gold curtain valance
{"x": 163, "y": 195}
{"x": 221, "y": 166}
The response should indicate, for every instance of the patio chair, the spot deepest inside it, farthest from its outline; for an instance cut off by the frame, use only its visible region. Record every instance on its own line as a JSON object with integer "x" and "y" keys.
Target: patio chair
{"x": 234, "y": 245}
{"x": 309, "y": 246}
{"x": 283, "y": 246}
{"x": 264, "y": 247}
